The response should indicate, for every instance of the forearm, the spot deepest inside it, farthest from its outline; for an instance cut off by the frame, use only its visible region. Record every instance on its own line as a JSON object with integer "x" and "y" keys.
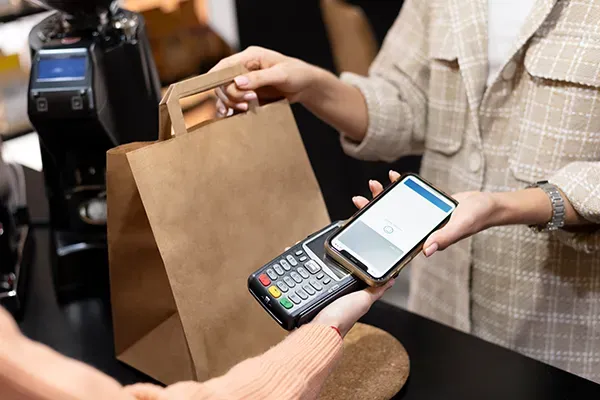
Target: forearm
{"x": 337, "y": 103}
{"x": 530, "y": 207}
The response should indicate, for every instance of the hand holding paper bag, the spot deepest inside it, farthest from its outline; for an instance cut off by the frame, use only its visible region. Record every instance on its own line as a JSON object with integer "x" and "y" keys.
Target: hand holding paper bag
{"x": 189, "y": 218}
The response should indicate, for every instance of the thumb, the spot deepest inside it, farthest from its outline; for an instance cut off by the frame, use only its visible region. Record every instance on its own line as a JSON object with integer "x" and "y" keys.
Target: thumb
{"x": 254, "y": 80}
{"x": 441, "y": 239}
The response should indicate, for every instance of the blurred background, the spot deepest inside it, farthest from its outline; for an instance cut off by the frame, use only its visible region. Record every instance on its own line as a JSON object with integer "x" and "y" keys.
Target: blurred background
{"x": 187, "y": 38}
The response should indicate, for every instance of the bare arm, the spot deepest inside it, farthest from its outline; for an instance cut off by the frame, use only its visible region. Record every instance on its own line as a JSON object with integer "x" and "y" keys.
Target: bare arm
{"x": 338, "y": 104}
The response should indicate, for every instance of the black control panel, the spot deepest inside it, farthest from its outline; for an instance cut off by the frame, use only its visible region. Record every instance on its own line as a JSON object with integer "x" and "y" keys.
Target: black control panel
{"x": 63, "y": 79}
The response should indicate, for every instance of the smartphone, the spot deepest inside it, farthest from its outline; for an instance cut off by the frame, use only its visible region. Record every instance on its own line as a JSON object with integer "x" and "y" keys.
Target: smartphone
{"x": 300, "y": 282}
{"x": 379, "y": 240}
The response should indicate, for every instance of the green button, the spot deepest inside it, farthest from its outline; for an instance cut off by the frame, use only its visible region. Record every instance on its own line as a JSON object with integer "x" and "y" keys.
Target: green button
{"x": 286, "y": 303}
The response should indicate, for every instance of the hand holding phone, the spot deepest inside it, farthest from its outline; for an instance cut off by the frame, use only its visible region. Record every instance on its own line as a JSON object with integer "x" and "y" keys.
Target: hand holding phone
{"x": 378, "y": 241}
{"x": 345, "y": 311}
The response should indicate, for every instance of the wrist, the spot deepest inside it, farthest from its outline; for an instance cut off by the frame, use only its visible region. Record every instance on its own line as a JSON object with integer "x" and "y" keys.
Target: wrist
{"x": 335, "y": 328}
{"x": 316, "y": 81}
{"x": 526, "y": 207}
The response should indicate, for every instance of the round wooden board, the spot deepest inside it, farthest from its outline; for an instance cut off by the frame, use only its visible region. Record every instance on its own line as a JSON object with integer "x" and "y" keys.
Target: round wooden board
{"x": 374, "y": 366}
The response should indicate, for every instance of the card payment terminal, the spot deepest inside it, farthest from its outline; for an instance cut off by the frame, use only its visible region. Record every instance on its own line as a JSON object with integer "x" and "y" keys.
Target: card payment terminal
{"x": 299, "y": 283}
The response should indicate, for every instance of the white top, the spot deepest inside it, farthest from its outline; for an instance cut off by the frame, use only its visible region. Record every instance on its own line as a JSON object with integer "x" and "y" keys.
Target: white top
{"x": 505, "y": 20}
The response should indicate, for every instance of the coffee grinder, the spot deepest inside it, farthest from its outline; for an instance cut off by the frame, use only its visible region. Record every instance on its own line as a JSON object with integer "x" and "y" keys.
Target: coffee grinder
{"x": 93, "y": 86}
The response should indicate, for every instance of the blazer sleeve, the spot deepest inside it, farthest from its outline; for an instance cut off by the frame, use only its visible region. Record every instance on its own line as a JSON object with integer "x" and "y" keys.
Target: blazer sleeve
{"x": 294, "y": 369}
{"x": 580, "y": 182}
{"x": 395, "y": 90}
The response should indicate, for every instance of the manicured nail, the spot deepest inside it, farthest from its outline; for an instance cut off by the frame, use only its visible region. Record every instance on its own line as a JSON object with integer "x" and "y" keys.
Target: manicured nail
{"x": 431, "y": 249}
{"x": 250, "y": 96}
{"x": 241, "y": 81}
{"x": 243, "y": 106}
{"x": 355, "y": 199}
{"x": 222, "y": 110}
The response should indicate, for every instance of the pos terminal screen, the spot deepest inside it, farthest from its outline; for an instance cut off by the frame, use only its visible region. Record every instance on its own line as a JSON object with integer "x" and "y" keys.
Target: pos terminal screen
{"x": 61, "y": 69}
{"x": 317, "y": 246}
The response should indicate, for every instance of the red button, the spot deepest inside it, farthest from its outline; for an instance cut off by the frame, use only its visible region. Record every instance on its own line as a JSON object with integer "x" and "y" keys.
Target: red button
{"x": 264, "y": 279}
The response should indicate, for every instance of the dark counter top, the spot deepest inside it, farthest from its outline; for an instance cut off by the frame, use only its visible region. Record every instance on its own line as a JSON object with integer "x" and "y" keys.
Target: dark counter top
{"x": 445, "y": 364}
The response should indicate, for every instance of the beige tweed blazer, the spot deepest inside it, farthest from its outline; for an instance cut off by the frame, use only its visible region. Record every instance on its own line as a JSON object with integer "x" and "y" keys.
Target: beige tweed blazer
{"x": 426, "y": 94}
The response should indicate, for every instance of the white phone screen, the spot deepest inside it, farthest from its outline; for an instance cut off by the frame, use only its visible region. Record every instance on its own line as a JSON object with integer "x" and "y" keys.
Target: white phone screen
{"x": 394, "y": 225}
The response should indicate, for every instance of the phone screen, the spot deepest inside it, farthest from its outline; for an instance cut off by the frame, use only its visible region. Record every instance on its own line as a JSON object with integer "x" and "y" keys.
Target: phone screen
{"x": 393, "y": 225}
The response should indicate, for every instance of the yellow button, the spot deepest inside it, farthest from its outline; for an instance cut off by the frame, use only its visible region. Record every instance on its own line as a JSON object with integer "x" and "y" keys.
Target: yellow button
{"x": 275, "y": 292}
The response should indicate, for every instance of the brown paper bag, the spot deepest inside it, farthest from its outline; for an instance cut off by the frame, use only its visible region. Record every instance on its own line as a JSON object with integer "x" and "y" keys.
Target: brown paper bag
{"x": 189, "y": 218}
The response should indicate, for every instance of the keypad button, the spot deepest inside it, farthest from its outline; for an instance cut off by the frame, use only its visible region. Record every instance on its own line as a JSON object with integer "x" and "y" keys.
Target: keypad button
{"x": 326, "y": 280}
{"x": 309, "y": 289}
{"x": 282, "y": 286}
{"x": 294, "y": 298}
{"x": 296, "y": 277}
{"x": 292, "y": 260}
{"x": 285, "y": 265}
{"x": 299, "y": 252}
{"x": 76, "y": 103}
{"x": 275, "y": 292}
{"x": 271, "y": 274}
{"x": 286, "y": 303}
{"x": 42, "y": 104}
{"x": 264, "y": 279}
{"x": 288, "y": 281}
{"x": 303, "y": 272}
{"x": 320, "y": 275}
{"x": 303, "y": 258}
{"x": 316, "y": 284}
{"x": 278, "y": 269}
{"x": 302, "y": 294}
{"x": 312, "y": 267}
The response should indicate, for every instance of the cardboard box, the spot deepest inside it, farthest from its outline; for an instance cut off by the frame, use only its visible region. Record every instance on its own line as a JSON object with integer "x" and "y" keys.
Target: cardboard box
{"x": 182, "y": 43}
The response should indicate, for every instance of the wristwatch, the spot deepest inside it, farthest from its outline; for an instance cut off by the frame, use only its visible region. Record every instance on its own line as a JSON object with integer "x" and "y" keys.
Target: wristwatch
{"x": 558, "y": 207}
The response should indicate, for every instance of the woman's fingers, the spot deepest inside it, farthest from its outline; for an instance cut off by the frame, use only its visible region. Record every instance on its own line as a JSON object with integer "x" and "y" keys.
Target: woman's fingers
{"x": 224, "y": 99}
{"x": 375, "y": 187}
{"x": 394, "y": 176}
{"x": 360, "y": 201}
{"x": 239, "y": 96}
{"x": 233, "y": 97}
{"x": 221, "y": 109}
{"x": 273, "y": 76}
{"x": 376, "y": 292}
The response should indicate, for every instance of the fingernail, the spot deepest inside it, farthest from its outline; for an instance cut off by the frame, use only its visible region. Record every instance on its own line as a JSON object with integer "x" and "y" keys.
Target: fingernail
{"x": 250, "y": 96}
{"x": 355, "y": 198}
{"x": 241, "y": 81}
{"x": 222, "y": 110}
{"x": 243, "y": 106}
{"x": 431, "y": 249}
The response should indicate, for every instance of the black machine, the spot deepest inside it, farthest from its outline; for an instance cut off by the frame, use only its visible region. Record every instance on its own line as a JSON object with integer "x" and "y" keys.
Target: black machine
{"x": 295, "y": 286}
{"x": 93, "y": 86}
{"x": 16, "y": 241}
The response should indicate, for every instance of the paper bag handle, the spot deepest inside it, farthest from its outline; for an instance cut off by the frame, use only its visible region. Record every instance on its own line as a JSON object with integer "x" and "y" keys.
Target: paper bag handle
{"x": 170, "y": 113}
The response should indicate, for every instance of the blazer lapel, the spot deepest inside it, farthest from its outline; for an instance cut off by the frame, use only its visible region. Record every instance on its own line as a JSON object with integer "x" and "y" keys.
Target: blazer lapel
{"x": 469, "y": 24}
{"x": 539, "y": 13}
{"x": 541, "y": 10}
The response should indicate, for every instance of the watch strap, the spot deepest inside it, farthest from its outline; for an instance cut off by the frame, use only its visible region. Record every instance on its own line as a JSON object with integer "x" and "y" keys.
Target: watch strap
{"x": 558, "y": 207}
